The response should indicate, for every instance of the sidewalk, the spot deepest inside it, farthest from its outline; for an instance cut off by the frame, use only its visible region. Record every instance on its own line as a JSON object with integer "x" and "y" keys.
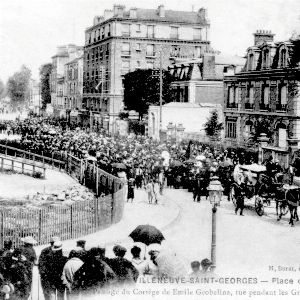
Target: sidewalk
{"x": 137, "y": 213}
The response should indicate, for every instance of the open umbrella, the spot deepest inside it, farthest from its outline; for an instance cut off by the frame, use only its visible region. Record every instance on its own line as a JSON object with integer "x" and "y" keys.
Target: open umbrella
{"x": 147, "y": 234}
{"x": 119, "y": 166}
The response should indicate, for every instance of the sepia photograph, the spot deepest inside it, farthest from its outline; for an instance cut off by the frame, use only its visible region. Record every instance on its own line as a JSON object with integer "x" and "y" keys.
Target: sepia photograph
{"x": 149, "y": 149}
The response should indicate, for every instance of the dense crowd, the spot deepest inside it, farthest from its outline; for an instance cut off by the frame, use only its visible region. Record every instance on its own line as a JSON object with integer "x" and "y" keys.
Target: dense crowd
{"x": 142, "y": 158}
{"x": 82, "y": 272}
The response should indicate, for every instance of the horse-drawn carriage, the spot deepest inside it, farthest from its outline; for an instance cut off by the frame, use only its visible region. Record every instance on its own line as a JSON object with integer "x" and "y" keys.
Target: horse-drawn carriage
{"x": 259, "y": 191}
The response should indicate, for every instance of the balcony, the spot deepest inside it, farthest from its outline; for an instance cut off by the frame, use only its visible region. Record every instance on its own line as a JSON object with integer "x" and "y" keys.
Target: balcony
{"x": 281, "y": 107}
{"x": 263, "y": 106}
{"x": 249, "y": 105}
{"x": 232, "y": 105}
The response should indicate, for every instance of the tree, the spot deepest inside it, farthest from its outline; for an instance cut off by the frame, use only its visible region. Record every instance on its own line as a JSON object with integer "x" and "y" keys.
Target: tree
{"x": 2, "y": 89}
{"x": 45, "y": 71}
{"x": 262, "y": 125}
{"x": 212, "y": 127}
{"x": 141, "y": 89}
{"x": 18, "y": 87}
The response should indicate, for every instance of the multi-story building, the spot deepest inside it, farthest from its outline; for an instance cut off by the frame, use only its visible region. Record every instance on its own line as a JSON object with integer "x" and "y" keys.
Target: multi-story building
{"x": 197, "y": 91}
{"x": 74, "y": 88}
{"x": 34, "y": 96}
{"x": 57, "y": 77}
{"x": 266, "y": 92}
{"x": 122, "y": 40}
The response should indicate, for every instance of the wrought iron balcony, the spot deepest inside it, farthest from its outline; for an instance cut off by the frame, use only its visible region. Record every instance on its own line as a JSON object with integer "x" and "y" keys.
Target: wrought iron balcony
{"x": 281, "y": 107}
{"x": 263, "y": 106}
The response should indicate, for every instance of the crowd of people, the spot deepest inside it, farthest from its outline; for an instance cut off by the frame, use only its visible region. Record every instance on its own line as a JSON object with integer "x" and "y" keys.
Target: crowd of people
{"x": 147, "y": 163}
{"x": 84, "y": 272}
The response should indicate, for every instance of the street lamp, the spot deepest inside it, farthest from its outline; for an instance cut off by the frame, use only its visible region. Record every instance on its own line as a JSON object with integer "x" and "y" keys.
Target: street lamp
{"x": 215, "y": 196}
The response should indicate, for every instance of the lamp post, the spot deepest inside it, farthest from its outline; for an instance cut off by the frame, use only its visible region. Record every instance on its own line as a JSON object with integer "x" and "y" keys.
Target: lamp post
{"x": 215, "y": 196}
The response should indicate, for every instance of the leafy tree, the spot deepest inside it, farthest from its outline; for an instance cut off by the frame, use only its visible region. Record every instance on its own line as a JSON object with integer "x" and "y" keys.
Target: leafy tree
{"x": 262, "y": 125}
{"x": 213, "y": 127}
{"x": 45, "y": 71}
{"x": 141, "y": 89}
{"x": 18, "y": 87}
{"x": 2, "y": 89}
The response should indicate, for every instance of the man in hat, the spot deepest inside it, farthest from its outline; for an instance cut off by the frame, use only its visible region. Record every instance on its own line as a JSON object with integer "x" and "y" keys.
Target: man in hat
{"x": 81, "y": 244}
{"x": 28, "y": 251}
{"x": 43, "y": 264}
{"x": 123, "y": 268}
{"x": 53, "y": 268}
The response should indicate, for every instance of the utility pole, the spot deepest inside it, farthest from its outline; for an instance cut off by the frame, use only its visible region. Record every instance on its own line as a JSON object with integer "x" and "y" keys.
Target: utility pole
{"x": 160, "y": 94}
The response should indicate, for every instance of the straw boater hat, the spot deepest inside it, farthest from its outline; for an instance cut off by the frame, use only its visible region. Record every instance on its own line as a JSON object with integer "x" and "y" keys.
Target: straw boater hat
{"x": 57, "y": 246}
{"x": 29, "y": 240}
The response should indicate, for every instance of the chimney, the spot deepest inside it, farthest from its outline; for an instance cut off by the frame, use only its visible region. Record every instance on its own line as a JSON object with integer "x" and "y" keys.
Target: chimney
{"x": 202, "y": 13}
{"x": 161, "y": 11}
{"x": 132, "y": 13}
{"x": 108, "y": 14}
{"x": 97, "y": 20}
{"x": 263, "y": 36}
{"x": 118, "y": 10}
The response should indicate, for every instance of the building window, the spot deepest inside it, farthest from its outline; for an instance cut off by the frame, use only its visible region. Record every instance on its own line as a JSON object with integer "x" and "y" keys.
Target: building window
{"x": 138, "y": 64}
{"x": 102, "y": 33}
{"x": 174, "y": 32}
{"x": 150, "y": 64}
{"x": 175, "y": 51}
{"x": 265, "y": 58}
{"x": 125, "y": 49}
{"x": 231, "y": 128}
{"x": 197, "y": 34}
{"x": 251, "y": 62}
{"x": 230, "y": 98}
{"x": 125, "y": 29}
{"x": 138, "y": 47}
{"x": 282, "y": 98}
{"x": 150, "y": 31}
{"x": 150, "y": 50}
{"x": 283, "y": 58}
{"x": 138, "y": 27}
{"x": 264, "y": 105}
{"x": 198, "y": 51}
{"x": 125, "y": 67}
{"x": 248, "y": 129}
{"x": 250, "y": 103}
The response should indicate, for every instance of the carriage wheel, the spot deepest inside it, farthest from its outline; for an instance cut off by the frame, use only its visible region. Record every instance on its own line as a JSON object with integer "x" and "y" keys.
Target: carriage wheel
{"x": 259, "y": 205}
{"x": 232, "y": 194}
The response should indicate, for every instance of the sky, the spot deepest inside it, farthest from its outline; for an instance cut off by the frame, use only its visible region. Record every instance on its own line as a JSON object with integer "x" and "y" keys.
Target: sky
{"x": 31, "y": 30}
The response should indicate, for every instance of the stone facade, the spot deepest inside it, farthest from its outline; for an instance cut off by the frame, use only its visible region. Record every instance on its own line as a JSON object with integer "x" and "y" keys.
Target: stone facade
{"x": 122, "y": 41}
{"x": 268, "y": 89}
{"x": 58, "y": 87}
{"x": 197, "y": 90}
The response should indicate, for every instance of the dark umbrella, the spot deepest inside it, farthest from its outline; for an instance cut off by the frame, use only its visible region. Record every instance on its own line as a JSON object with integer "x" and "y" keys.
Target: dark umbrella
{"x": 147, "y": 235}
{"x": 119, "y": 166}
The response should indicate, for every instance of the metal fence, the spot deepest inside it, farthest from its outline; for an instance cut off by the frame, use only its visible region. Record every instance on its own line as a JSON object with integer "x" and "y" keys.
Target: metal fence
{"x": 66, "y": 221}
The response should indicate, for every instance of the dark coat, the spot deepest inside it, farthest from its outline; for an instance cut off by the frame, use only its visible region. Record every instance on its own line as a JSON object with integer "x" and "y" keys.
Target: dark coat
{"x": 124, "y": 269}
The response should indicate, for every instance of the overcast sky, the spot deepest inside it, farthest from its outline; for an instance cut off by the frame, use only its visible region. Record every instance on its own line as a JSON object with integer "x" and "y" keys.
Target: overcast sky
{"x": 30, "y": 30}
